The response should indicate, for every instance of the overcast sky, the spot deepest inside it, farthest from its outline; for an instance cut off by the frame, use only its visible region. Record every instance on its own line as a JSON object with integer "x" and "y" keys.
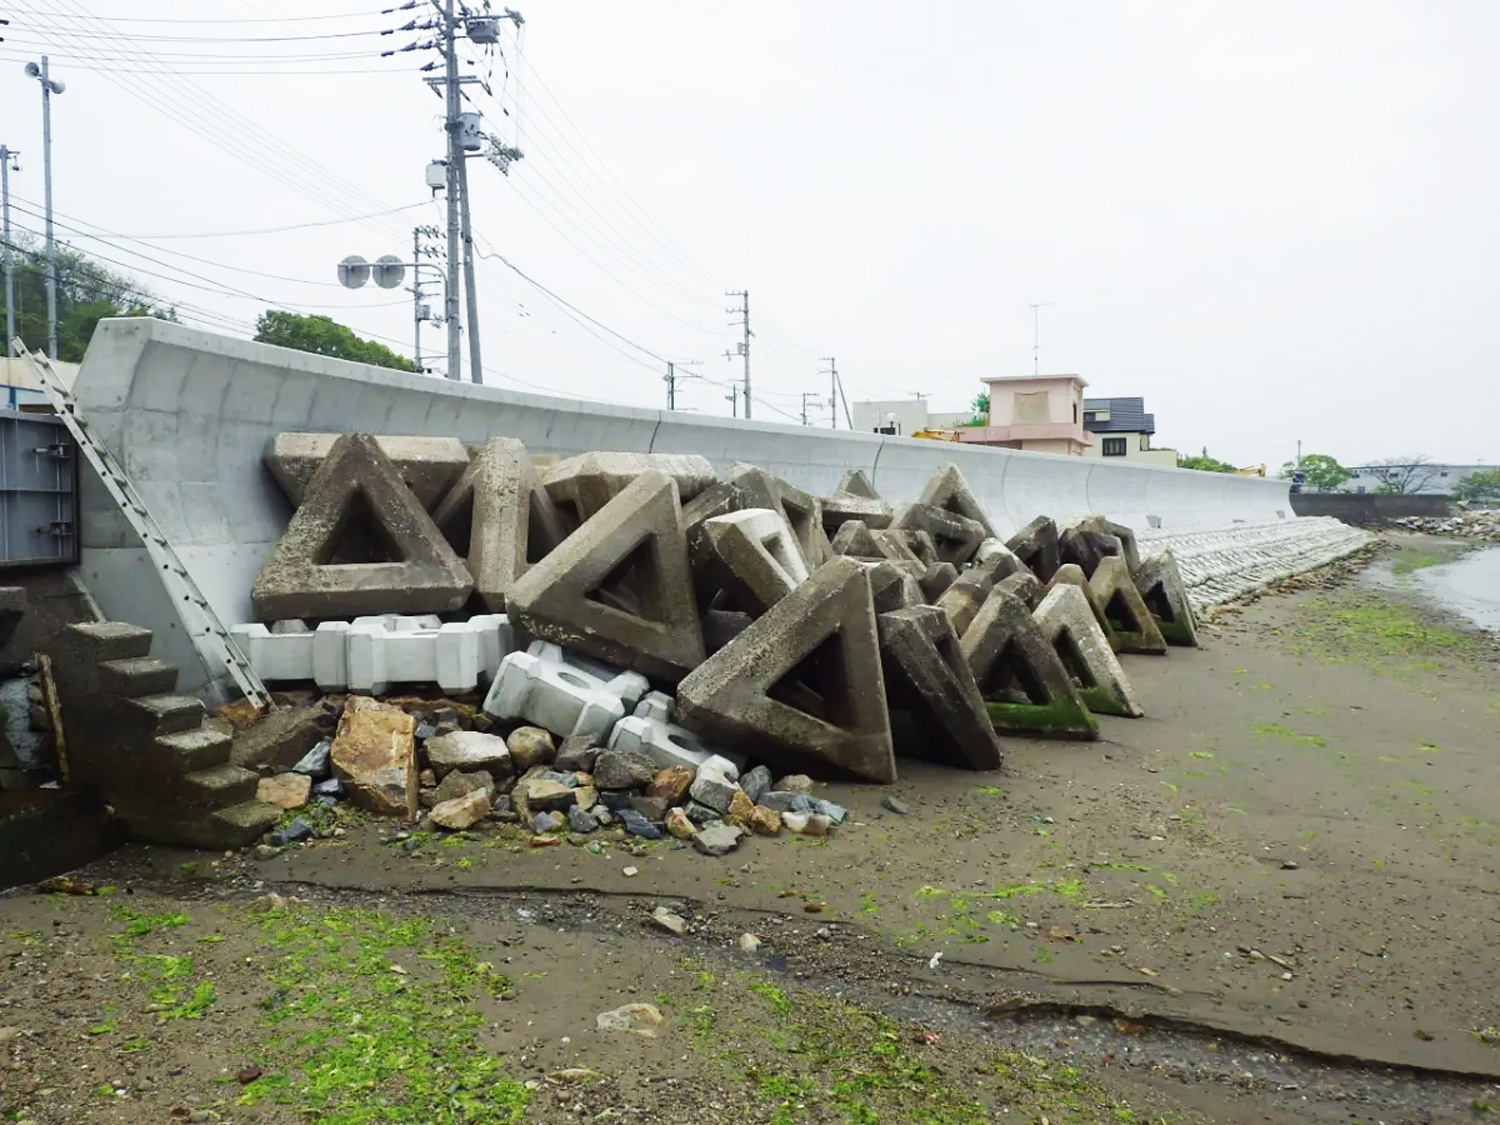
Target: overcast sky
{"x": 1274, "y": 221}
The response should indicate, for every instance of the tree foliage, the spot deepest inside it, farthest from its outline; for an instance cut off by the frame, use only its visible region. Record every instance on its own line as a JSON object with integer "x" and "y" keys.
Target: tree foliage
{"x": 1204, "y": 463}
{"x": 1319, "y": 471}
{"x": 1402, "y": 476}
{"x": 981, "y": 411}
{"x": 1481, "y": 486}
{"x": 322, "y": 335}
{"x": 87, "y": 292}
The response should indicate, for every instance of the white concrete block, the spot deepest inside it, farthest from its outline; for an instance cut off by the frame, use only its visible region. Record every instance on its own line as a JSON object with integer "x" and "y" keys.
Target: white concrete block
{"x": 555, "y": 696}
{"x": 275, "y": 656}
{"x": 331, "y": 655}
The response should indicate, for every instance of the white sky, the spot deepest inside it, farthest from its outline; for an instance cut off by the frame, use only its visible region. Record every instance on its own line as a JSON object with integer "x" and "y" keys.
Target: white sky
{"x": 1274, "y": 221}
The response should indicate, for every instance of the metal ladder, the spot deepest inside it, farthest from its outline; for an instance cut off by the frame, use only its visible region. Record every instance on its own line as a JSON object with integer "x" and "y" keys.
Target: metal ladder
{"x": 214, "y": 644}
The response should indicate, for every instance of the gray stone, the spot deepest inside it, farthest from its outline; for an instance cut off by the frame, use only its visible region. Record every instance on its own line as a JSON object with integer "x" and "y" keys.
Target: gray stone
{"x": 783, "y": 801}
{"x": 428, "y": 465}
{"x": 426, "y": 731}
{"x": 502, "y": 805}
{"x": 374, "y": 754}
{"x": 538, "y": 793}
{"x": 360, "y": 543}
{"x": 603, "y": 816}
{"x": 530, "y": 746}
{"x": 895, "y": 804}
{"x": 315, "y": 762}
{"x": 716, "y": 839}
{"x": 582, "y": 821}
{"x": 616, "y": 800}
{"x": 460, "y": 784}
{"x": 330, "y": 787}
{"x": 501, "y": 518}
{"x": 623, "y": 769}
{"x": 806, "y": 824}
{"x": 1067, "y": 623}
{"x": 795, "y": 783}
{"x": 839, "y": 720}
{"x": 755, "y": 782}
{"x": 713, "y": 789}
{"x": 638, "y": 825}
{"x": 928, "y": 677}
{"x": 547, "y": 822}
{"x": 619, "y": 588}
{"x": 577, "y": 752}
{"x": 652, "y": 808}
{"x": 295, "y": 832}
{"x": 469, "y": 750}
{"x": 1020, "y": 676}
{"x": 836, "y": 814}
{"x": 701, "y": 814}
{"x": 462, "y": 812}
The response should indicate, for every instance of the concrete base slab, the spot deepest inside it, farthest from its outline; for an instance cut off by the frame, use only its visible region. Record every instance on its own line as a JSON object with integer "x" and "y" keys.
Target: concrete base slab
{"x": 1020, "y": 675}
{"x": 305, "y": 575}
{"x": 620, "y": 587}
{"x": 802, "y": 686}
{"x": 1036, "y": 546}
{"x": 1067, "y": 623}
{"x": 927, "y": 676}
{"x": 948, "y": 490}
{"x": 500, "y": 518}
{"x": 1133, "y": 628}
{"x": 428, "y": 465}
{"x": 1162, "y": 589}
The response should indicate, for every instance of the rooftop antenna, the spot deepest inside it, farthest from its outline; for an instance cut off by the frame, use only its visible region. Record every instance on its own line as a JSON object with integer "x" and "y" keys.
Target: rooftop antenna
{"x": 1036, "y": 337}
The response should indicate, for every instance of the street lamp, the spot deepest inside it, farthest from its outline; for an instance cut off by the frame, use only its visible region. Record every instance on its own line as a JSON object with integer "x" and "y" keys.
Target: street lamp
{"x": 50, "y": 86}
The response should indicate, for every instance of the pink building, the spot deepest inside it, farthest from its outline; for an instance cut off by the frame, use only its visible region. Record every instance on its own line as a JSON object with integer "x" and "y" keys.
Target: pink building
{"x": 1041, "y": 413}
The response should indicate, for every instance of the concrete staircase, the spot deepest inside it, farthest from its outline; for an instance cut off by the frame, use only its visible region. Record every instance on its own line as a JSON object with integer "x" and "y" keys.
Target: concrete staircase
{"x": 144, "y": 748}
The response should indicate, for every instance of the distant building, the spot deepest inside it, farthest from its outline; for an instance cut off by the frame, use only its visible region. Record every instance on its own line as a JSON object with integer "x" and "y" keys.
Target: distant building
{"x": 1122, "y": 428}
{"x": 1425, "y": 480}
{"x": 1041, "y": 413}
{"x": 903, "y": 417}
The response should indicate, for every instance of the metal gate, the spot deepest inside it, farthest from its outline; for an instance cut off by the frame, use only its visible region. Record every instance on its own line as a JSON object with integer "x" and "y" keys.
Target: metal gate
{"x": 38, "y": 491}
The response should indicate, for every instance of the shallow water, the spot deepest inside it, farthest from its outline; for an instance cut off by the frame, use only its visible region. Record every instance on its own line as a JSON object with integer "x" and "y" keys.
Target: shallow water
{"x": 1469, "y": 586}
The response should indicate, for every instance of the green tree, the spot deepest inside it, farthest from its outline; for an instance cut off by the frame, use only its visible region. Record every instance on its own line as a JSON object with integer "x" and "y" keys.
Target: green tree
{"x": 322, "y": 335}
{"x": 1204, "y": 463}
{"x": 1403, "y": 476}
{"x": 87, "y": 292}
{"x": 1319, "y": 471}
{"x": 981, "y": 409}
{"x": 1480, "y": 486}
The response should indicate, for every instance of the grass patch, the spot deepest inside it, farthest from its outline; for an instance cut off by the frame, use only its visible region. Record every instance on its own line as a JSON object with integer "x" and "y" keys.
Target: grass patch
{"x": 1286, "y": 734}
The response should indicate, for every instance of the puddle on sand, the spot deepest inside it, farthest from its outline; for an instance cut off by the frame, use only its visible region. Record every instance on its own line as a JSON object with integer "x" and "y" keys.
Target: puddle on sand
{"x": 1469, "y": 586}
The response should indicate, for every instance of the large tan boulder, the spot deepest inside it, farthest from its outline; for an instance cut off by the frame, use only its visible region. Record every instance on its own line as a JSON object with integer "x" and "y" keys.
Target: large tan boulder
{"x": 374, "y": 754}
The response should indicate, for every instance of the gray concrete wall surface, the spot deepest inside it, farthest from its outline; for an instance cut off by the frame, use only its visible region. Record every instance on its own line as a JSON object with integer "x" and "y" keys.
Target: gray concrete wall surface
{"x": 1369, "y": 508}
{"x": 189, "y": 415}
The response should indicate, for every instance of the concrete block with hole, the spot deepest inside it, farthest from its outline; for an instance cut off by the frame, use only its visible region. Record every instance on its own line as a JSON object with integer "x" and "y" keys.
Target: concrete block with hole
{"x": 751, "y": 555}
{"x": 428, "y": 465}
{"x": 561, "y": 693}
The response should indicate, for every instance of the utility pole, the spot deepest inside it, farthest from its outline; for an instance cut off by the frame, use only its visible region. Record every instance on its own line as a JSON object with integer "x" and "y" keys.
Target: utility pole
{"x": 733, "y": 398}
{"x": 476, "y": 368}
{"x": 805, "y": 396}
{"x": 833, "y": 390}
{"x": 7, "y": 157}
{"x": 1036, "y": 337}
{"x": 455, "y": 159}
{"x": 672, "y": 377}
{"x": 743, "y": 347}
{"x": 49, "y": 87}
{"x": 420, "y": 309}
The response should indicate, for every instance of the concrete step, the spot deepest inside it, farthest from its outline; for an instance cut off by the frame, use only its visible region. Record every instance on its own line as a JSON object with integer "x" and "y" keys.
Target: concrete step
{"x": 110, "y": 640}
{"x": 234, "y": 827}
{"x": 218, "y": 787}
{"x": 44, "y": 832}
{"x": 136, "y": 676}
{"x": 192, "y": 750}
{"x": 164, "y": 714}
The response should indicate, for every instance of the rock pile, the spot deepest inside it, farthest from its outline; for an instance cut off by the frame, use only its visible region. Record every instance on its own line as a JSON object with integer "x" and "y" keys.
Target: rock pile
{"x": 659, "y": 640}
{"x": 1481, "y": 524}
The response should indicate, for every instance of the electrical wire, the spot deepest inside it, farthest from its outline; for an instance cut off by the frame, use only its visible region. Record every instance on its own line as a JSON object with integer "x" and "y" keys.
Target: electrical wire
{"x": 215, "y": 20}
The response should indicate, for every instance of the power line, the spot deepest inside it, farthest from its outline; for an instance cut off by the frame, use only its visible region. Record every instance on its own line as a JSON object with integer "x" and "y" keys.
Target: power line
{"x": 215, "y": 20}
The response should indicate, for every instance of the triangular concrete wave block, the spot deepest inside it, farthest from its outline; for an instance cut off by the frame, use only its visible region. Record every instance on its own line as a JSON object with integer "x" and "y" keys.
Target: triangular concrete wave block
{"x": 949, "y": 491}
{"x": 1020, "y": 675}
{"x": 999, "y": 560}
{"x": 1133, "y": 628}
{"x": 619, "y": 588}
{"x": 802, "y": 686}
{"x": 582, "y": 485}
{"x": 1036, "y": 546}
{"x": 358, "y": 494}
{"x": 428, "y": 465}
{"x": 962, "y": 600}
{"x": 856, "y": 483}
{"x": 1023, "y": 586}
{"x": 1161, "y": 587}
{"x": 855, "y": 541}
{"x": 1072, "y": 575}
{"x": 717, "y": 499}
{"x": 501, "y": 517}
{"x": 956, "y": 537}
{"x": 927, "y": 676}
{"x": 753, "y": 556}
{"x": 1067, "y": 624}
{"x": 802, "y": 511}
{"x": 841, "y": 508}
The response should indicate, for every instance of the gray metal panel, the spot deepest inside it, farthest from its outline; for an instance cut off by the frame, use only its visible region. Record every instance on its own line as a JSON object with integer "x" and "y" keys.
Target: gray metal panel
{"x": 38, "y": 491}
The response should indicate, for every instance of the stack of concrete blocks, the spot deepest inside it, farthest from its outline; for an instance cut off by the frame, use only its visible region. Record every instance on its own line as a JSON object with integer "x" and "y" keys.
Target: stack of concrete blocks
{"x": 810, "y": 632}
{"x": 145, "y": 749}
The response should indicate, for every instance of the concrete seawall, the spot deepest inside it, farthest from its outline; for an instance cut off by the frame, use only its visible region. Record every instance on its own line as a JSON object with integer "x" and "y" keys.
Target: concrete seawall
{"x": 189, "y": 414}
